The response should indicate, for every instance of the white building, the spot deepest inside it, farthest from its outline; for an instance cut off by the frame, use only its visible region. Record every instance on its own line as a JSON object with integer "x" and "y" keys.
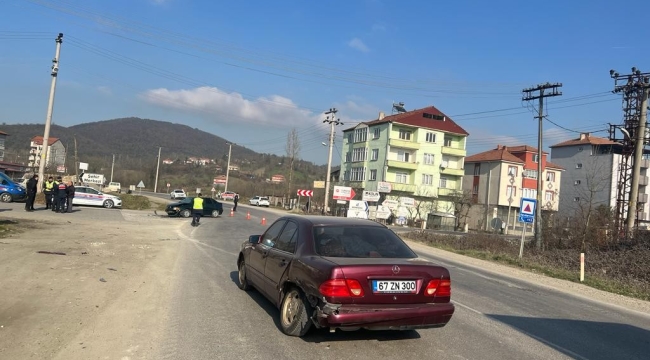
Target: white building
{"x": 55, "y": 152}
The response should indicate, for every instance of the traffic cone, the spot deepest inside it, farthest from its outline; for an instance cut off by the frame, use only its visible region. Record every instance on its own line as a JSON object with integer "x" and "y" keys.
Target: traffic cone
{"x": 248, "y": 215}
{"x": 232, "y": 213}
{"x": 263, "y": 221}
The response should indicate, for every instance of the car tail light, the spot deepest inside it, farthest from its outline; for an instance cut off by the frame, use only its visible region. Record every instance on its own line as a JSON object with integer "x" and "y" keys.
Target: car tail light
{"x": 438, "y": 288}
{"x": 341, "y": 288}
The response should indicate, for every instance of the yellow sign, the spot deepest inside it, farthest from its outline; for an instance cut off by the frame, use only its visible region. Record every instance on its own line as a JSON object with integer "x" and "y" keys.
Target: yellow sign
{"x": 319, "y": 184}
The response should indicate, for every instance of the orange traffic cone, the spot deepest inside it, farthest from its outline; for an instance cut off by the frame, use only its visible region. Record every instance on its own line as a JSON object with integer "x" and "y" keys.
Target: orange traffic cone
{"x": 232, "y": 213}
{"x": 248, "y": 215}
{"x": 263, "y": 221}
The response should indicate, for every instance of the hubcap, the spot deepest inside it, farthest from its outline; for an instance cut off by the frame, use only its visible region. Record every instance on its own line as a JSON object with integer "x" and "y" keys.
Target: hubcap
{"x": 290, "y": 308}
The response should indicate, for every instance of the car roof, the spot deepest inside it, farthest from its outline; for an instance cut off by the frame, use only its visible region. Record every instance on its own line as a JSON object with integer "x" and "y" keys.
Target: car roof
{"x": 317, "y": 220}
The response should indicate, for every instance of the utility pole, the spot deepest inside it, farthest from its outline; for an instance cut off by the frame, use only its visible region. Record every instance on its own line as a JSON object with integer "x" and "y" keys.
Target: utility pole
{"x": 541, "y": 95}
{"x": 635, "y": 88}
{"x": 487, "y": 198}
{"x": 113, "y": 167}
{"x": 76, "y": 159}
{"x": 155, "y": 185}
{"x": 332, "y": 120}
{"x": 228, "y": 166}
{"x": 50, "y": 109}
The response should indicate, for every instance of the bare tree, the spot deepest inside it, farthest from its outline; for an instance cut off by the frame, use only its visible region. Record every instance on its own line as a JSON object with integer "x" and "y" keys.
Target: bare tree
{"x": 462, "y": 202}
{"x": 293, "y": 151}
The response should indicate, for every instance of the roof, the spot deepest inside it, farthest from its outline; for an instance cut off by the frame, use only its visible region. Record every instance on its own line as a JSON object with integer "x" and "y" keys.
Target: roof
{"x": 523, "y": 148}
{"x": 553, "y": 166}
{"x": 586, "y": 139}
{"x": 3, "y": 133}
{"x": 318, "y": 220}
{"x": 38, "y": 140}
{"x": 435, "y": 119}
{"x": 505, "y": 154}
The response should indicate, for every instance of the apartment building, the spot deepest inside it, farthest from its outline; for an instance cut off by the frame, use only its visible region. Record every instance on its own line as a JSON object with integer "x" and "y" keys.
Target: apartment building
{"x": 500, "y": 177}
{"x": 420, "y": 153}
{"x": 55, "y": 153}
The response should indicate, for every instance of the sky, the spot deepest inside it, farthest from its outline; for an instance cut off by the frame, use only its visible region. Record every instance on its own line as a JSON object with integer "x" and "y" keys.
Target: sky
{"x": 251, "y": 71}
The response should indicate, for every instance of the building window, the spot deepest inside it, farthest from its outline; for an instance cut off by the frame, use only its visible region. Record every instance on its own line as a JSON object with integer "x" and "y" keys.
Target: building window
{"x": 348, "y": 156}
{"x": 511, "y": 191}
{"x": 550, "y": 176}
{"x": 536, "y": 158}
{"x": 360, "y": 135}
{"x": 375, "y": 155}
{"x": 427, "y": 179}
{"x": 359, "y": 154}
{"x": 577, "y": 182}
{"x": 576, "y": 199}
{"x": 477, "y": 169}
{"x": 358, "y": 174}
{"x": 428, "y": 159}
{"x": 403, "y": 156}
{"x": 373, "y": 175}
{"x": 405, "y": 135}
{"x": 401, "y": 178}
{"x": 350, "y": 137}
{"x": 376, "y": 133}
{"x": 530, "y": 193}
{"x": 448, "y": 141}
{"x": 431, "y": 137}
{"x": 532, "y": 174}
{"x": 579, "y": 166}
{"x": 512, "y": 171}
{"x": 443, "y": 182}
{"x": 549, "y": 196}
{"x": 475, "y": 190}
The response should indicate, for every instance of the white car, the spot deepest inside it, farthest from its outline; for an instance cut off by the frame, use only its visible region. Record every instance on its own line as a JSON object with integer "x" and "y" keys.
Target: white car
{"x": 85, "y": 195}
{"x": 178, "y": 194}
{"x": 260, "y": 201}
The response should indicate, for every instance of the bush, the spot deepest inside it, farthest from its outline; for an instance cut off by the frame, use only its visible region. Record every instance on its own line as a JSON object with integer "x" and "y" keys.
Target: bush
{"x": 135, "y": 202}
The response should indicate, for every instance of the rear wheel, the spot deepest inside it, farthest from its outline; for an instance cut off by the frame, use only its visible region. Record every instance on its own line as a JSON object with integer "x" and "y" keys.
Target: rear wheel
{"x": 215, "y": 213}
{"x": 243, "y": 282}
{"x": 185, "y": 213}
{"x": 295, "y": 313}
{"x": 108, "y": 204}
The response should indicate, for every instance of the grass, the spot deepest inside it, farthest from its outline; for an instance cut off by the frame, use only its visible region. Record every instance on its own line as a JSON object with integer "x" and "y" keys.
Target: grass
{"x": 135, "y": 202}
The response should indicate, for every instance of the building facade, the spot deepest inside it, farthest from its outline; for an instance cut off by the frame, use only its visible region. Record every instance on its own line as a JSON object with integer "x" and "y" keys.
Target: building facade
{"x": 55, "y": 153}
{"x": 3, "y": 138}
{"x": 592, "y": 175}
{"x": 498, "y": 179}
{"x": 420, "y": 153}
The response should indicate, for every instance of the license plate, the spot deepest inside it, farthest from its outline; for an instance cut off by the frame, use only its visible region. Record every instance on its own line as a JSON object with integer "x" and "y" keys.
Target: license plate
{"x": 394, "y": 286}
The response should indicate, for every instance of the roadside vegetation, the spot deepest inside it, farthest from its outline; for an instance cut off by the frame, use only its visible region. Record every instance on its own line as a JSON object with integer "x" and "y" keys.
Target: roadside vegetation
{"x": 136, "y": 202}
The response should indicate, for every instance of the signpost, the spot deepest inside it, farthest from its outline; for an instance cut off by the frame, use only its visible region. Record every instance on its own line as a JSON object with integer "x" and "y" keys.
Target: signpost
{"x": 343, "y": 193}
{"x": 370, "y": 196}
{"x": 319, "y": 184}
{"x": 140, "y": 185}
{"x": 358, "y": 209}
{"x": 527, "y": 210}
{"x": 92, "y": 178}
{"x": 301, "y": 193}
{"x": 407, "y": 201}
{"x": 384, "y": 187}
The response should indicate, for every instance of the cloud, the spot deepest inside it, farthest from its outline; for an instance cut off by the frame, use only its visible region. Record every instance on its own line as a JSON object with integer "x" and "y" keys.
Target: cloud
{"x": 105, "y": 90}
{"x": 211, "y": 102}
{"x": 357, "y": 44}
{"x": 160, "y": 2}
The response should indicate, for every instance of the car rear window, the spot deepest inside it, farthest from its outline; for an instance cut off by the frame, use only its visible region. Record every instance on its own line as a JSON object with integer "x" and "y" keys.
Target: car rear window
{"x": 360, "y": 242}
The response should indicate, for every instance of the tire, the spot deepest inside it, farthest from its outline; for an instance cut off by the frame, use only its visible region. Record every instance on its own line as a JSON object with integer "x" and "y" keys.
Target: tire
{"x": 108, "y": 204}
{"x": 243, "y": 282}
{"x": 5, "y": 197}
{"x": 295, "y": 313}
{"x": 185, "y": 213}
{"x": 215, "y": 213}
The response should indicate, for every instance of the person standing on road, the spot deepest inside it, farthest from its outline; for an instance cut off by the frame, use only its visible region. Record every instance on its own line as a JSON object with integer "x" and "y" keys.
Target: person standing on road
{"x": 48, "y": 190}
{"x": 197, "y": 209}
{"x": 235, "y": 200}
{"x": 55, "y": 195}
{"x": 70, "y": 195}
{"x": 32, "y": 188}
{"x": 62, "y": 196}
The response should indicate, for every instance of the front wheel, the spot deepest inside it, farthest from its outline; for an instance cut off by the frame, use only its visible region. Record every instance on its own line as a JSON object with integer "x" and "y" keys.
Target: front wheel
{"x": 243, "y": 282}
{"x": 108, "y": 204}
{"x": 186, "y": 213}
{"x": 5, "y": 197}
{"x": 295, "y": 313}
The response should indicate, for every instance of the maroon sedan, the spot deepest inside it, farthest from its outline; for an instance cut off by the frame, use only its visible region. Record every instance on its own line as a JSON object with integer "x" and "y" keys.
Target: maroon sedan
{"x": 344, "y": 273}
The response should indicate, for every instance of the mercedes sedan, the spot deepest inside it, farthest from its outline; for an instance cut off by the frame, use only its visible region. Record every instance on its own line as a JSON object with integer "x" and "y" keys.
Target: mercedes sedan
{"x": 343, "y": 273}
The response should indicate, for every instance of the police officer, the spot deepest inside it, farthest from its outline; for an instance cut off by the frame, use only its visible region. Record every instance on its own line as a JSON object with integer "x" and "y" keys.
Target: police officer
{"x": 55, "y": 194}
{"x": 70, "y": 195}
{"x": 62, "y": 196}
{"x": 235, "y": 200}
{"x": 48, "y": 190}
{"x": 197, "y": 209}
{"x": 32, "y": 186}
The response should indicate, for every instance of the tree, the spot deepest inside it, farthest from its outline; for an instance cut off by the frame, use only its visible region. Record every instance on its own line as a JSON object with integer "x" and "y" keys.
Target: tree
{"x": 293, "y": 151}
{"x": 462, "y": 202}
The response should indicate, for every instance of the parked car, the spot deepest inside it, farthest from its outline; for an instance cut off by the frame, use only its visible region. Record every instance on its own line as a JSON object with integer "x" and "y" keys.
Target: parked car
{"x": 85, "y": 195}
{"x": 177, "y": 194}
{"x": 260, "y": 201}
{"x": 343, "y": 273}
{"x": 10, "y": 190}
{"x": 227, "y": 195}
{"x": 114, "y": 187}
{"x": 183, "y": 208}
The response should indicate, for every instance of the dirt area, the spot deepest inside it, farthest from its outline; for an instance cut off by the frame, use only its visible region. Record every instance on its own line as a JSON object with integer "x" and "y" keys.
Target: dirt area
{"x": 103, "y": 299}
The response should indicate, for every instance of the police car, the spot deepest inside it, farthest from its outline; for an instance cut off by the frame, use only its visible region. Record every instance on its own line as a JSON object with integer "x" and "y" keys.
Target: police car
{"x": 11, "y": 191}
{"x": 85, "y": 195}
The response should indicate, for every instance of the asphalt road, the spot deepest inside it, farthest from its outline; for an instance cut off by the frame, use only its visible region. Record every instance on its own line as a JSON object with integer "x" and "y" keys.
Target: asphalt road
{"x": 496, "y": 317}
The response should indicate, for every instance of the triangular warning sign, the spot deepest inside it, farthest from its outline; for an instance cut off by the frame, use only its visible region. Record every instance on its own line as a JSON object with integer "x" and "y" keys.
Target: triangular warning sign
{"x": 527, "y": 208}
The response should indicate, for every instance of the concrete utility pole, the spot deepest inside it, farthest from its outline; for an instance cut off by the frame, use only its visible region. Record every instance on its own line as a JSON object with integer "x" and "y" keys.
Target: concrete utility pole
{"x": 528, "y": 96}
{"x": 228, "y": 166}
{"x": 113, "y": 167}
{"x": 487, "y": 198}
{"x": 635, "y": 90}
{"x": 50, "y": 109}
{"x": 76, "y": 160}
{"x": 155, "y": 185}
{"x": 332, "y": 120}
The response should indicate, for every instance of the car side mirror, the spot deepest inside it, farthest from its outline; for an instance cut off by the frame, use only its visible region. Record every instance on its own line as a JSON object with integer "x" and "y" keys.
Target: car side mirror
{"x": 254, "y": 239}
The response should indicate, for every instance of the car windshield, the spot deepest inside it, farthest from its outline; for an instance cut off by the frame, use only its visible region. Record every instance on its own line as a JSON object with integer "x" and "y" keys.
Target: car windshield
{"x": 187, "y": 200}
{"x": 360, "y": 242}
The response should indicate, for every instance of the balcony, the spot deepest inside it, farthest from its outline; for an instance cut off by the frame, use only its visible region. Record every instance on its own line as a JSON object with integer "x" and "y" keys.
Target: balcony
{"x": 402, "y": 164}
{"x": 448, "y": 150}
{"x": 403, "y": 187}
{"x": 447, "y": 192}
{"x": 404, "y": 144}
{"x": 452, "y": 172}
{"x": 645, "y": 164}
{"x": 643, "y": 198}
{"x": 643, "y": 181}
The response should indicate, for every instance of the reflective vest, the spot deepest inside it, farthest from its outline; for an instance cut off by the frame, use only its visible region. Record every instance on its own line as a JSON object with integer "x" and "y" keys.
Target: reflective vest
{"x": 49, "y": 185}
{"x": 197, "y": 204}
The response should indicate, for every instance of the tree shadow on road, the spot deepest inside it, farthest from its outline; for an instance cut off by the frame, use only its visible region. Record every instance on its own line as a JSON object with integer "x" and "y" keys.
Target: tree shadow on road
{"x": 323, "y": 335}
{"x": 581, "y": 339}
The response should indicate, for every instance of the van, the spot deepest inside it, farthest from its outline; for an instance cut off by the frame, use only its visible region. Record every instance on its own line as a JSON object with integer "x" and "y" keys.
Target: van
{"x": 114, "y": 187}
{"x": 10, "y": 191}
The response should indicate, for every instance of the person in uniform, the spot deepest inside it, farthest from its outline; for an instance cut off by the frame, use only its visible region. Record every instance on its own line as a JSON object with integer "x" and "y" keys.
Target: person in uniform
{"x": 70, "y": 195}
{"x": 197, "y": 209}
{"x": 235, "y": 200}
{"x": 62, "y": 196}
{"x": 55, "y": 194}
{"x": 48, "y": 190}
{"x": 32, "y": 188}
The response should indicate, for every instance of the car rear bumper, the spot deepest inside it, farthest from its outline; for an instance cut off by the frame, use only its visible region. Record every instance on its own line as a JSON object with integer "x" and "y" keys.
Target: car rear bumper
{"x": 384, "y": 317}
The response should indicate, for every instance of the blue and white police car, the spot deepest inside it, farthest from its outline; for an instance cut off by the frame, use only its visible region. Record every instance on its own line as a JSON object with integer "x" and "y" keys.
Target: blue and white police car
{"x": 10, "y": 191}
{"x": 85, "y": 195}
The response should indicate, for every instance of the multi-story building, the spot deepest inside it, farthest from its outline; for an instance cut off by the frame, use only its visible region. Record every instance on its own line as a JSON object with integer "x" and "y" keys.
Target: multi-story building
{"x": 55, "y": 152}
{"x": 499, "y": 178}
{"x": 3, "y": 137}
{"x": 592, "y": 174}
{"x": 420, "y": 153}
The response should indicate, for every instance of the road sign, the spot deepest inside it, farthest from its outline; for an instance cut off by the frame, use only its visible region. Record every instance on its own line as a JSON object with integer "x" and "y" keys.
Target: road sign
{"x": 383, "y": 212}
{"x": 527, "y": 210}
{"x": 370, "y": 196}
{"x": 526, "y": 219}
{"x": 319, "y": 184}
{"x": 343, "y": 193}
{"x": 168, "y": 184}
{"x": 305, "y": 192}
{"x": 407, "y": 201}
{"x": 92, "y": 178}
{"x": 140, "y": 184}
{"x": 391, "y": 204}
{"x": 358, "y": 209}
{"x": 384, "y": 187}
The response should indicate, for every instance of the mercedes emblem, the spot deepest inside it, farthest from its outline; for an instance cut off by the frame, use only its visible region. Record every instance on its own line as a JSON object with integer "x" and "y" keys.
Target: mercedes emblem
{"x": 395, "y": 269}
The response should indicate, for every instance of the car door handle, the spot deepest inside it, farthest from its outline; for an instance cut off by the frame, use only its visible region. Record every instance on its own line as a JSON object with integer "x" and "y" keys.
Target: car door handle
{"x": 283, "y": 262}
{"x": 265, "y": 254}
